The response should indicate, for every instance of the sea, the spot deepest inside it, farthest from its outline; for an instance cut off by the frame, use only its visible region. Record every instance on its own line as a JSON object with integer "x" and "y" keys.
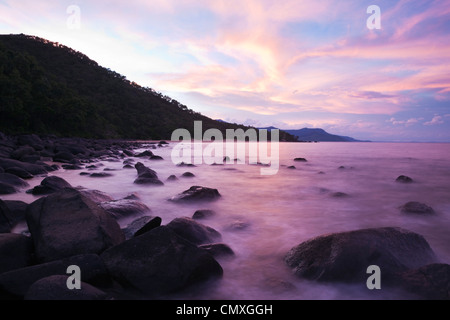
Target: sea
{"x": 262, "y": 216}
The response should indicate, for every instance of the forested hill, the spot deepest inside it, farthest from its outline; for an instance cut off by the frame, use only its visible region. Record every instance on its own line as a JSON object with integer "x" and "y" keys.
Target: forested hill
{"x": 48, "y": 88}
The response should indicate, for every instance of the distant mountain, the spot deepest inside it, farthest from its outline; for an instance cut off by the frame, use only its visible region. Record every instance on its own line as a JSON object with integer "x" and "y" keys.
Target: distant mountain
{"x": 317, "y": 134}
{"x": 48, "y": 88}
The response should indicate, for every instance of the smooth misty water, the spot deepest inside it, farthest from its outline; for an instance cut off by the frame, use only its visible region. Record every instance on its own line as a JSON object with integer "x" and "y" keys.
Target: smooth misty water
{"x": 280, "y": 211}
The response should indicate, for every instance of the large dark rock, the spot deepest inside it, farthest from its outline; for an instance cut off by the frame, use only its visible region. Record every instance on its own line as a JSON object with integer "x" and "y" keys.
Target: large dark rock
{"x": 146, "y": 175}
{"x": 17, "y": 210}
{"x": 49, "y": 185}
{"x": 15, "y": 251}
{"x": 95, "y": 195}
{"x": 193, "y": 231}
{"x": 30, "y": 140}
{"x": 197, "y": 193}
{"x": 416, "y": 207}
{"x": 21, "y": 173}
{"x": 68, "y": 223}
{"x": 160, "y": 262}
{"x": 345, "y": 256}
{"x": 146, "y": 153}
{"x": 55, "y": 288}
{"x": 125, "y": 208}
{"x": 5, "y": 218}
{"x": 135, "y": 225}
{"x": 218, "y": 249}
{"x": 34, "y": 169}
{"x": 10, "y": 183}
{"x": 22, "y": 151}
{"x": 64, "y": 157}
{"x": 150, "y": 225}
{"x": 17, "y": 282}
{"x": 429, "y": 282}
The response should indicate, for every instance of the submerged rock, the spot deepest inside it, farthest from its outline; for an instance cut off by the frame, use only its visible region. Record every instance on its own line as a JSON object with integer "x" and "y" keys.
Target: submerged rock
{"x": 146, "y": 175}
{"x": 193, "y": 231}
{"x": 197, "y": 193}
{"x": 345, "y": 256}
{"x": 204, "y": 213}
{"x": 416, "y": 207}
{"x": 404, "y": 179}
{"x": 218, "y": 249}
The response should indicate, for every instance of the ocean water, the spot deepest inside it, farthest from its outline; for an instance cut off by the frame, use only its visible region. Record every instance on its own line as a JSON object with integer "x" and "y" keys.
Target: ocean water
{"x": 261, "y": 217}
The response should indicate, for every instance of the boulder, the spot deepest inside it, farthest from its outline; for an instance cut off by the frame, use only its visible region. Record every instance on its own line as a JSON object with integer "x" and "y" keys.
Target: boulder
{"x": 135, "y": 225}
{"x": 17, "y": 282}
{"x": 32, "y": 140}
{"x": 203, "y": 214}
{"x": 17, "y": 211}
{"x": 49, "y": 185}
{"x": 34, "y": 169}
{"x": 150, "y": 225}
{"x": 416, "y": 207}
{"x": 300, "y": 159}
{"x": 21, "y": 173}
{"x": 146, "y": 175}
{"x": 404, "y": 179}
{"x": 100, "y": 175}
{"x": 125, "y": 208}
{"x": 345, "y": 256}
{"x": 55, "y": 288}
{"x": 172, "y": 177}
{"x": 430, "y": 282}
{"x": 68, "y": 223}
{"x": 95, "y": 195}
{"x": 197, "y": 193}
{"x": 64, "y": 157}
{"x": 10, "y": 183}
{"x": 160, "y": 262}
{"x": 156, "y": 158}
{"x": 5, "y": 218}
{"x": 218, "y": 249}
{"x": 188, "y": 175}
{"x": 22, "y": 151}
{"x": 194, "y": 231}
{"x": 146, "y": 153}
{"x": 15, "y": 251}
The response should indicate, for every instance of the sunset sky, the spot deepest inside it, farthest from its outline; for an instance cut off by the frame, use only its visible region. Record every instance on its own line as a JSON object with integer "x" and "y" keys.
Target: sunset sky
{"x": 287, "y": 63}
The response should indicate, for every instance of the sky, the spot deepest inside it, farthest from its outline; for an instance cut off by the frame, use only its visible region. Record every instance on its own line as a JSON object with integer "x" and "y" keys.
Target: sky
{"x": 289, "y": 63}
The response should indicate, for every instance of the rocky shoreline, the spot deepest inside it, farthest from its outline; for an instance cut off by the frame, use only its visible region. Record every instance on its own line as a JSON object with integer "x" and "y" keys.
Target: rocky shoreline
{"x": 147, "y": 260}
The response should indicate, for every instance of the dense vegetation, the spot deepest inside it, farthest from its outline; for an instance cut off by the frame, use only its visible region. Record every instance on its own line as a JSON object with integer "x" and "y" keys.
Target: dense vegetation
{"x": 48, "y": 88}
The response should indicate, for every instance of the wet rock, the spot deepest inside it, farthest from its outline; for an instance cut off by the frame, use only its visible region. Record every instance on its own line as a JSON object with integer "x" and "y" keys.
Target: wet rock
{"x": 188, "y": 175}
{"x": 16, "y": 283}
{"x": 5, "y": 218}
{"x": 150, "y": 225}
{"x": 128, "y": 166}
{"x": 64, "y": 157}
{"x": 49, "y": 185}
{"x": 17, "y": 211}
{"x": 218, "y": 249}
{"x": 156, "y": 158}
{"x": 291, "y": 167}
{"x": 160, "y": 262}
{"x": 237, "y": 225}
{"x": 34, "y": 169}
{"x": 125, "y": 208}
{"x": 95, "y": 195}
{"x": 404, "y": 179}
{"x": 193, "y": 231}
{"x": 21, "y": 173}
{"x": 135, "y": 225}
{"x": 146, "y": 175}
{"x": 203, "y": 214}
{"x": 430, "y": 282}
{"x": 416, "y": 207}
{"x": 71, "y": 167}
{"x": 345, "y": 256}
{"x": 15, "y": 251}
{"x": 172, "y": 178}
{"x": 300, "y": 160}
{"x": 184, "y": 164}
{"x": 146, "y": 153}
{"x": 100, "y": 175}
{"x": 55, "y": 288}
{"x": 10, "y": 183}
{"x": 22, "y": 151}
{"x": 197, "y": 193}
{"x": 68, "y": 223}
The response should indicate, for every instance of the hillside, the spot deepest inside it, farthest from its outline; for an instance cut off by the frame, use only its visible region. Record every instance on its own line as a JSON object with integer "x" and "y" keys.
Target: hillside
{"x": 316, "y": 134}
{"x": 48, "y": 88}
